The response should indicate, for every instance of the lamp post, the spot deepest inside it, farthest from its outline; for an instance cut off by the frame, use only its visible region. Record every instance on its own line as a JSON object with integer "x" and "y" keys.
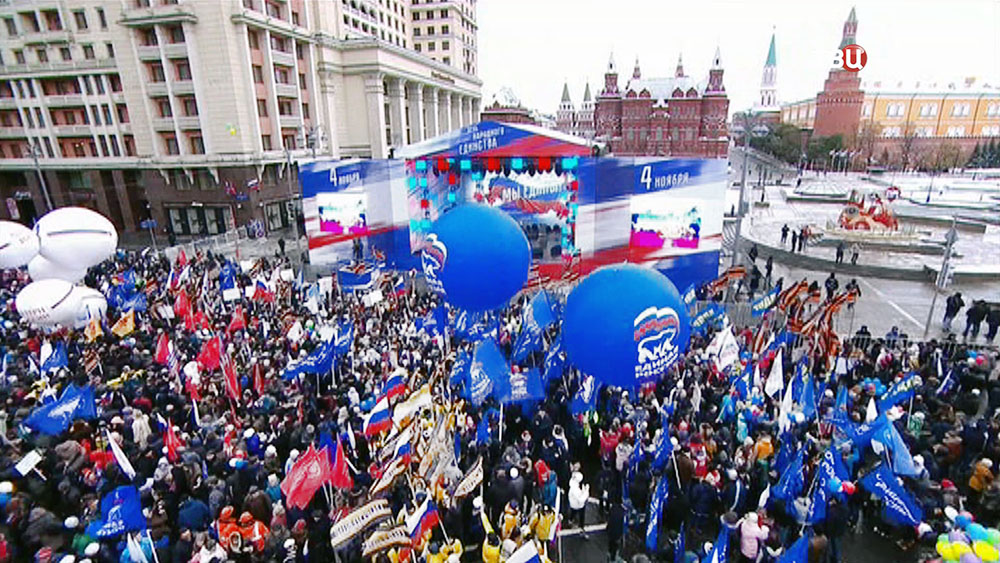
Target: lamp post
{"x": 748, "y": 123}
{"x": 36, "y": 151}
{"x": 294, "y": 196}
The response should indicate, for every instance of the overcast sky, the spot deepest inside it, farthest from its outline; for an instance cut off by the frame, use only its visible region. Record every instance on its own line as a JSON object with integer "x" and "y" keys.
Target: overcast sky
{"x": 533, "y": 46}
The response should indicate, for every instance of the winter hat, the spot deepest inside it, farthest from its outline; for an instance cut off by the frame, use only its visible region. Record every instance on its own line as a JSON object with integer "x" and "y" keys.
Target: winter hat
{"x": 92, "y": 549}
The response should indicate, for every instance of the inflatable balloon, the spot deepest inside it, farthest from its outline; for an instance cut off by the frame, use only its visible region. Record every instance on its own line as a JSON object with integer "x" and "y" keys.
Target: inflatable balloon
{"x": 76, "y": 237}
{"x": 834, "y": 484}
{"x": 624, "y": 324}
{"x": 985, "y": 551}
{"x": 962, "y": 520}
{"x": 969, "y": 557}
{"x": 849, "y": 488}
{"x": 951, "y": 513}
{"x": 18, "y": 244}
{"x": 977, "y": 532}
{"x": 92, "y": 305}
{"x": 960, "y": 547}
{"x": 477, "y": 256}
{"x": 41, "y": 268}
{"x": 993, "y": 536}
{"x": 48, "y": 302}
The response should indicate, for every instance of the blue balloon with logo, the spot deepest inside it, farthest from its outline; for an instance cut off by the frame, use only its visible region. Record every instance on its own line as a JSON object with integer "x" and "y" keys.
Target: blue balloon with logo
{"x": 477, "y": 256}
{"x": 625, "y": 325}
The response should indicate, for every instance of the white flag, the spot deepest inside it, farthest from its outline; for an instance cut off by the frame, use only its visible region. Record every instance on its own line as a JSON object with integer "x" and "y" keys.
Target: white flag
{"x": 785, "y": 414}
{"x": 135, "y": 552}
{"x": 872, "y": 412}
{"x": 776, "y": 379}
{"x": 123, "y": 462}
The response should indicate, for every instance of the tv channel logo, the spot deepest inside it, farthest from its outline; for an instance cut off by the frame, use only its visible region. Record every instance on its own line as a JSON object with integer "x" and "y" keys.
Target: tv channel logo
{"x": 851, "y": 58}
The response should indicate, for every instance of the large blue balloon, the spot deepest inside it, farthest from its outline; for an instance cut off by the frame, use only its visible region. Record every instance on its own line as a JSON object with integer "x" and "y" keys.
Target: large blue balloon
{"x": 624, "y": 325}
{"x": 477, "y": 256}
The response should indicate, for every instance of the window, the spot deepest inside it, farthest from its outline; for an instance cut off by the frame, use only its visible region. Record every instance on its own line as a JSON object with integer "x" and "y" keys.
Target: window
{"x": 31, "y": 122}
{"x": 417, "y": 47}
{"x": 19, "y": 56}
{"x": 170, "y": 144}
{"x": 302, "y": 81}
{"x": 265, "y": 141}
{"x": 197, "y": 145}
{"x": 248, "y": 4}
{"x": 446, "y": 60}
{"x": 163, "y": 107}
{"x": 444, "y": 29}
{"x": 416, "y": 16}
{"x": 30, "y": 21}
{"x": 445, "y": 45}
{"x": 115, "y": 149}
{"x": 288, "y": 141}
{"x": 52, "y": 20}
{"x": 104, "y": 145}
{"x": 444, "y": 13}
{"x": 430, "y": 30}
{"x": 156, "y": 73}
{"x": 40, "y": 116}
{"x": 116, "y": 83}
{"x": 43, "y": 56}
{"x": 416, "y": 32}
{"x": 891, "y": 132}
{"x": 924, "y": 131}
{"x": 258, "y": 74}
{"x": 111, "y": 50}
{"x": 285, "y": 107}
{"x": 894, "y": 110}
{"x": 88, "y": 52}
{"x": 190, "y": 106}
{"x": 278, "y": 43}
{"x": 928, "y": 110}
{"x": 866, "y": 111}
{"x": 305, "y": 111}
{"x": 11, "y": 27}
{"x": 956, "y": 131}
{"x": 100, "y": 16}
{"x": 81, "y": 20}
{"x": 175, "y": 33}
{"x": 122, "y": 111}
{"x": 97, "y": 116}
{"x": 273, "y": 9}
{"x": 261, "y": 108}
{"x": 183, "y": 70}
{"x": 147, "y": 36}
{"x": 65, "y": 53}
{"x": 430, "y": 46}
{"x": 69, "y": 118}
{"x": 295, "y": 18}
{"x": 253, "y": 40}
{"x": 991, "y": 131}
{"x": 960, "y": 110}
{"x": 107, "y": 114}
{"x": 129, "y": 145}
{"x": 281, "y": 75}
{"x": 300, "y": 51}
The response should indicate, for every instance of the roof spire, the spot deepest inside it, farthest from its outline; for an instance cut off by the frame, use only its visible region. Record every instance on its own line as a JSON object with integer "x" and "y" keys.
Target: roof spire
{"x": 717, "y": 59}
{"x": 635, "y": 71}
{"x": 772, "y": 59}
{"x": 611, "y": 63}
{"x": 586, "y": 93}
{"x": 850, "y": 30}
{"x": 565, "y": 94}
{"x": 679, "y": 72}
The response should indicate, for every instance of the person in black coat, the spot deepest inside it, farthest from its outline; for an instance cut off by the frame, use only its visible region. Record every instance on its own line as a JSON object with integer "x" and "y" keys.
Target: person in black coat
{"x": 835, "y": 526}
{"x": 616, "y": 527}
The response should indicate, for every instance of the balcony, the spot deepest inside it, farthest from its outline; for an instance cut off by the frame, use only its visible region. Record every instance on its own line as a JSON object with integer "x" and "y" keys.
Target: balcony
{"x": 64, "y": 100}
{"x": 183, "y": 87}
{"x": 189, "y": 122}
{"x": 176, "y": 50}
{"x": 58, "y": 67}
{"x": 286, "y": 90}
{"x": 45, "y": 37}
{"x": 12, "y": 133}
{"x": 72, "y": 130}
{"x": 8, "y": 103}
{"x": 158, "y": 14}
{"x": 289, "y": 121}
{"x": 156, "y": 88}
{"x": 282, "y": 58}
{"x": 148, "y": 52}
{"x": 163, "y": 124}
{"x": 118, "y": 97}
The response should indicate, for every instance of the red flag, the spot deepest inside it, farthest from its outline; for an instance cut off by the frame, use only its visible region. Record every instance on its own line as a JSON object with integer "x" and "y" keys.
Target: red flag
{"x": 258, "y": 379}
{"x": 229, "y": 372}
{"x": 238, "y": 322}
{"x": 210, "y": 354}
{"x": 182, "y": 306}
{"x": 340, "y": 476}
{"x": 172, "y": 442}
{"x": 182, "y": 259}
{"x": 306, "y": 477}
{"x": 162, "y": 349}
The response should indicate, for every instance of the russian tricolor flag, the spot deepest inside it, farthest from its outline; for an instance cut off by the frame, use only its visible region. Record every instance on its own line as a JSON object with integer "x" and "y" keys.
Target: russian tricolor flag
{"x": 379, "y": 420}
{"x": 399, "y": 288}
{"x": 393, "y": 387}
{"x": 423, "y": 520}
{"x": 527, "y": 553}
{"x": 404, "y": 451}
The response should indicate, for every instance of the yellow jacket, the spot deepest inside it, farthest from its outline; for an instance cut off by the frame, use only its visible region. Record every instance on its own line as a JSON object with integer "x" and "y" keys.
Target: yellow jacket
{"x": 491, "y": 553}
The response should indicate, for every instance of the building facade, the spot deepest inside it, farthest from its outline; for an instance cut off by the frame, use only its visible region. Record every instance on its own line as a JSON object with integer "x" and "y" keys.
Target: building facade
{"x": 675, "y": 116}
{"x": 190, "y": 113}
{"x": 767, "y": 105}
{"x": 907, "y": 124}
{"x": 447, "y": 32}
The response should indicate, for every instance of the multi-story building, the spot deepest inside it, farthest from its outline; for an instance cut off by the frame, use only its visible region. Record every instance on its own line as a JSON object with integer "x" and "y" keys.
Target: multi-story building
{"x": 908, "y": 124}
{"x": 675, "y": 116}
{"x": 505, "y": 107}
{"x": 446, "y": 31}
{"x": 189, "y": 112}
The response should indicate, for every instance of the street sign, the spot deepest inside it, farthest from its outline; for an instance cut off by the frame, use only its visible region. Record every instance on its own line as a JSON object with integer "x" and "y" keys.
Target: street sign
{"x": 951, "y": 236}
{"x": 148, "y": 224}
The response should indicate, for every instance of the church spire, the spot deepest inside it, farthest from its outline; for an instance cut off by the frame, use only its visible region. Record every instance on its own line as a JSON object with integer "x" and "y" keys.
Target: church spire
{"x": 717, "y": 59}
{"x": 679, "y": 72}
{"x": 611, "y": 63}
{"x": 635, "y": 71}
{"x": 768, "y": 80}
{"x": 771, "y": 55}
{"x": 586, "y": 93}
{"x": 565, "y": 94}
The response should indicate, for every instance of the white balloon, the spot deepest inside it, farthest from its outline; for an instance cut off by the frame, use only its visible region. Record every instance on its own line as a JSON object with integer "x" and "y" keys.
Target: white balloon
{"x": 191, "y": 370}
{"x": 18, "y": 244}
{"x": 41, "y": 268}
{"x": 76, "y": 237}
{"x": 92, "y": 305}
{"x": 48, "y": 302}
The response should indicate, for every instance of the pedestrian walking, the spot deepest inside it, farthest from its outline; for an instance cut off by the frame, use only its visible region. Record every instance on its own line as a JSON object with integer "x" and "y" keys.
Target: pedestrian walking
{"x": 803, "y": 234}
{"x": 795, "y": 238}
{"x": 784, "y": 234}
{"x": 852, "y": 286}
{"x": 952, "y": 306}
{"x": 855, "y": 251}
{"x": 831, "y": 286}
{"x": 840, "y": 252}
{"x": 974, "y": 316}
{"x": 753, "y": 253}
{"x": 992, "y": 323}
{"x": 768, "y": 269}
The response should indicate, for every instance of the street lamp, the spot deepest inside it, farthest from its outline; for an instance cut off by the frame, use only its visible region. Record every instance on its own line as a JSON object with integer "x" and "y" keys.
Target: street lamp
{"x": 36, "y": 151}
{"x": 294, "y": 196}
{"x": 748, "y": 123}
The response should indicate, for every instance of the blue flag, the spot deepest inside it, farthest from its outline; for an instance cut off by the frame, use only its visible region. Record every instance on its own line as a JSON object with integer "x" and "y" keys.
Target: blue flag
{"x": 902, "y": 461}
{"x": 704, "y": 319}
{"x": 135, "y": 302}
{"x": 764, "y": 303}
{"x": 689, "y": 296}
{"x": 786, "y": 452}
{"x": 121, "y": 511}
{"x": 227, "y": 276}
{"x": 664, "y": 447}
{"x": 841, "y": 406}
{"x": 460, "y": 369}
{"x": 57, "y": 359}
{"x": 720, "y": 549}
{"x": 897, "y": 504}
{"x": 798, "y": 552}
{"x": 655, "y": 512}
{"x": 483, "y": 428}
{"x": 473, "y": 326}
{"x": 900, "y": 391}
{"x": 679, "y": 550}
{"x": 555, "y": 362}
{"x": 862, "y": 434}
{"x": 487, "y": 374}
{"x": 525, "y": 386}
{"x": 344, "y": 339}
{"x": 434, "y": 323}
{"x": 535, "y": 318}
{"x": 791, "y": 483}
{"x": 585, "y": 399}
{"x": 53, "y": 418}
{"x": 320, "y": 361}
{"x": 808, "y": 398}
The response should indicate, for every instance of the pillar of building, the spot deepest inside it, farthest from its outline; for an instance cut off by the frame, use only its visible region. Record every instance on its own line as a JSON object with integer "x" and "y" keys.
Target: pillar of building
{"x": 456, "y": 111}
{"x": 397, "y": 111}
{"x": 475, "y": 110}
{"x": 416, "y": 95}
{"x": 375, "y": 104}
{"x": 431, "y": 112}
{"x": 444, "y": 111}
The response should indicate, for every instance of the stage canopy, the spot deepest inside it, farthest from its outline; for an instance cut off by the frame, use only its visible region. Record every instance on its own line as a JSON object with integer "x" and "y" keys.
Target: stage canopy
{"x": 490, "y": 139}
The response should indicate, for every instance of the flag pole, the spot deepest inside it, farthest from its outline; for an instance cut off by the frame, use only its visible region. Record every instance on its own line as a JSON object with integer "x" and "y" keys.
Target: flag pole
{"x": 152, "y": 546}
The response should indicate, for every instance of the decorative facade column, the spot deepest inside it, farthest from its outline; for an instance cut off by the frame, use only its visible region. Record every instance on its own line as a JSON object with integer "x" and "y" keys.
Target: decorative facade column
{"x": 444, "y": 111}
{"x": 463, "y": 110}
{"x": 431, "y": 112}
{"x": 456, "y": 111}
{"x": 375, "y": 105}
{"x": 416, "y": 94}
{"x": 475, "y": 110}
{"x": 397, "y": 111}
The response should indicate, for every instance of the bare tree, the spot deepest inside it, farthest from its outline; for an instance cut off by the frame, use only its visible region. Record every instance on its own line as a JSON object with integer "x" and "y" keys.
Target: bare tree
{"x": 908, "y": 144}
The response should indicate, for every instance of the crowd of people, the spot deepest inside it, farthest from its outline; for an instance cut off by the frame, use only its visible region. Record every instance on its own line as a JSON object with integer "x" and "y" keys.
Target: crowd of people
{"x": 687, "y": 467}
